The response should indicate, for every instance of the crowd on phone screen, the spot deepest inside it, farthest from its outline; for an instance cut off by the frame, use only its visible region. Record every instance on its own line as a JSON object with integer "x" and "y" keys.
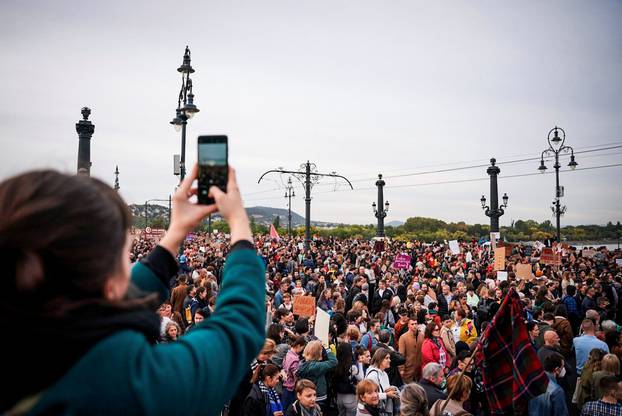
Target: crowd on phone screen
{"x": 401, "y": 339}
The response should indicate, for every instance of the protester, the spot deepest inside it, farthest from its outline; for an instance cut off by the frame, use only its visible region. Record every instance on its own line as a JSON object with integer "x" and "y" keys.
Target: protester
{"x": 290, "y": 366}
{"x": 433, "y": 350}
{"x": 609, "y": 366}
{"x": 344, "y": 381}
{"x": 413, "y": 401}
{"x": 552, "y": 402}
{"x": 431, "y": 381}
{"x": 376, "y": 372}
{"x": 67, "y": 269}
{"x": 368, "y": 398}
{"x": 460, "y": 390}
{"x": 317, "y": 363}
{"x": 609, "y": 401}
{"x": 410, "y": 347}
{"x": 305, "y": 404}
{"x": 263, "y": 400}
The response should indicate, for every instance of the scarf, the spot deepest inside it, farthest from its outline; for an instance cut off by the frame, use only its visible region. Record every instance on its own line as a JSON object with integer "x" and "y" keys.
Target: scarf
{"x": 273, "y": 403}
{"x": 442, "y": 357}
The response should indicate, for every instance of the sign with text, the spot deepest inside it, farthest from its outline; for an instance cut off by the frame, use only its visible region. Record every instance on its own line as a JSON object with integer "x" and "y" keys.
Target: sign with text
{"x": 402, "y": 261}
{"x": 523, "y": 271}
{"x": 548, "y": 256}
{"x": 322, "y": 326}
{"x": 304, "y": 305}
{"x": 454, "y": 247}
{"x": 499, "y": 258}
{"x": 588, "y": 254}
{"x": 502, "y": 276}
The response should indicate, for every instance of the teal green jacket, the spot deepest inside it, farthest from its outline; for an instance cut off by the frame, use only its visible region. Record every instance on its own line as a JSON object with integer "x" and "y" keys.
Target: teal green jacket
{"x": 126, "y": 375}
{"x": 316, "y": 372}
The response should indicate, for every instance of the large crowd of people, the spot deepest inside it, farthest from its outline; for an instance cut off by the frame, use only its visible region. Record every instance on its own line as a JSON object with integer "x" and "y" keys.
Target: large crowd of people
{"x": 220, "y": 324}
{"x": 401, "y": 339}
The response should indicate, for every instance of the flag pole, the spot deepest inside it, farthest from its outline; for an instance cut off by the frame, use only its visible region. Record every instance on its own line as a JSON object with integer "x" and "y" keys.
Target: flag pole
{"x": 477, "y": 347}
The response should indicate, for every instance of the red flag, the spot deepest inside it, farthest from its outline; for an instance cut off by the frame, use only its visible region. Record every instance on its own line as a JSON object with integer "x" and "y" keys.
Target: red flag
{"x": 512, "y": 373}
{"x": 273, "y": 233}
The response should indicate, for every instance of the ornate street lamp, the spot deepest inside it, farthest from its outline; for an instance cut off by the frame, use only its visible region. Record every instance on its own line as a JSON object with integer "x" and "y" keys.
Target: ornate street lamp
{"x": 186, "y": 108}
{"x": 556, "y": 147}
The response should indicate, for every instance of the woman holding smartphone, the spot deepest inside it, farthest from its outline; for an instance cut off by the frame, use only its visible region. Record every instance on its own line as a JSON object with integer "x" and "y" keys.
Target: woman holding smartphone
{"x": 85, "y": 326}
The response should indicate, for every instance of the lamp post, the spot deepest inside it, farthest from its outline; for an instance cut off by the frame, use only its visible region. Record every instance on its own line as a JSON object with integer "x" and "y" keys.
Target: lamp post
{"x": 556, "y": 147}
{"x": 85, "y": 131}
{"x": 379, "y": 212}
{"x": 116, "y": 179}
{"x": 185, "y": 108}
{"x": 289, "y": 193}
{"x": 494, "y": 211}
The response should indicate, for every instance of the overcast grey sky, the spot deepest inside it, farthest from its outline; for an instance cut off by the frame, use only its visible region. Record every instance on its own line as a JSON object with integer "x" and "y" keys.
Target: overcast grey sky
{"x": 357, "y": 87}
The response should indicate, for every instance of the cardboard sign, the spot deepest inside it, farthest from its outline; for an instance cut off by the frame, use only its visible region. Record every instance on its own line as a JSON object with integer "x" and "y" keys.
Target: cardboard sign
{"x": 402, "y": 261}
{"x": 494, "y": 237}
{"x": 322, "y": 325}
{"x": 500, "y": 258}
{"x": 548, "y": 256}
{"x": 588, "y": 254}
{"x": 304, "y": 305}
{"x": 523, "y": 271}
{"x": 454, "y": 247}
{"x": 502, "y": 276}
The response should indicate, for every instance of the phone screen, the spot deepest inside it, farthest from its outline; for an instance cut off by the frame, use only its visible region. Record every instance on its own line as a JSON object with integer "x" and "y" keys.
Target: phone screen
{"x": 213, "y": 165}
{"x": 212, "y": 154}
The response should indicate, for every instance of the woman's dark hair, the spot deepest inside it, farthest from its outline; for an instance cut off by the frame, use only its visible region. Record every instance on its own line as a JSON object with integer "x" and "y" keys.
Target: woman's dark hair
{"x": 429, "y": 328}
{"x": 61, "y": 237}
{"x": 344, "y": 361}
{"x": 264, "y": 370}
{"x": 274, "y": 332}
{"x": 421, "y": 316}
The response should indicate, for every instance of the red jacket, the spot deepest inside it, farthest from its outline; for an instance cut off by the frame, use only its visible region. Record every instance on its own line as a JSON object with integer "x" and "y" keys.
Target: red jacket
{"x": 430, "y": 353}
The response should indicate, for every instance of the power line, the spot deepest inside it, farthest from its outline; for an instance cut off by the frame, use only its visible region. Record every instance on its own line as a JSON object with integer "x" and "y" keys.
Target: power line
{"x": 485, "y": 160}
{"x": 452, "y": 170}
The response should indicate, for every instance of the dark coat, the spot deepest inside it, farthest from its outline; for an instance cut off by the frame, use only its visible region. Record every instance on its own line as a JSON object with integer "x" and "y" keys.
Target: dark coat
{"x": 255, "y": 403}
{"x": 432, "y": 392}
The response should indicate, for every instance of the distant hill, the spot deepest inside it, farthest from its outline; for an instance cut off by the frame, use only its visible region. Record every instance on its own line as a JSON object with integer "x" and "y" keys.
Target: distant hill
{"x": 395, "y": 223}
{"x": 261, "y": 215}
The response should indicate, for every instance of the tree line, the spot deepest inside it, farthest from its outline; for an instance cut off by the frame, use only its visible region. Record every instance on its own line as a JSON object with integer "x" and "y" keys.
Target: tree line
{"x": 431, "y": 229}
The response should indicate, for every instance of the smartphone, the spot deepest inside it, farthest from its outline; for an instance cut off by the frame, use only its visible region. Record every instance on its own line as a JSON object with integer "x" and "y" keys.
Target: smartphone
{"x": 213, "y": 155}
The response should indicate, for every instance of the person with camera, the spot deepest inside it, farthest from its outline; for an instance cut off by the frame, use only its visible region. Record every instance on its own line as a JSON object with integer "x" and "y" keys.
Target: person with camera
{"x": 84, "y": 324}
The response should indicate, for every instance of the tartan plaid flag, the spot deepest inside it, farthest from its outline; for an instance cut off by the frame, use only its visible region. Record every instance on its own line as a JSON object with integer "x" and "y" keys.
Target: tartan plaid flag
{"x": 512, "y": 373}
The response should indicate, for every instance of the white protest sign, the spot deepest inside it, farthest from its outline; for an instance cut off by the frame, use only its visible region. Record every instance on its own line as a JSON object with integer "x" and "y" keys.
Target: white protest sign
{"x": 322, "y": 326}
{"x": 469, "y": 257}
{"x": 619, "y": 262}
{"x": 502, "y": 276}
{"x": 454, "y": 247}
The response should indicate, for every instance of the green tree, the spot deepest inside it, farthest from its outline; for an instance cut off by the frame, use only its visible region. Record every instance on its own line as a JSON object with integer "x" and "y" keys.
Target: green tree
{"x": 277, "y": 222}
